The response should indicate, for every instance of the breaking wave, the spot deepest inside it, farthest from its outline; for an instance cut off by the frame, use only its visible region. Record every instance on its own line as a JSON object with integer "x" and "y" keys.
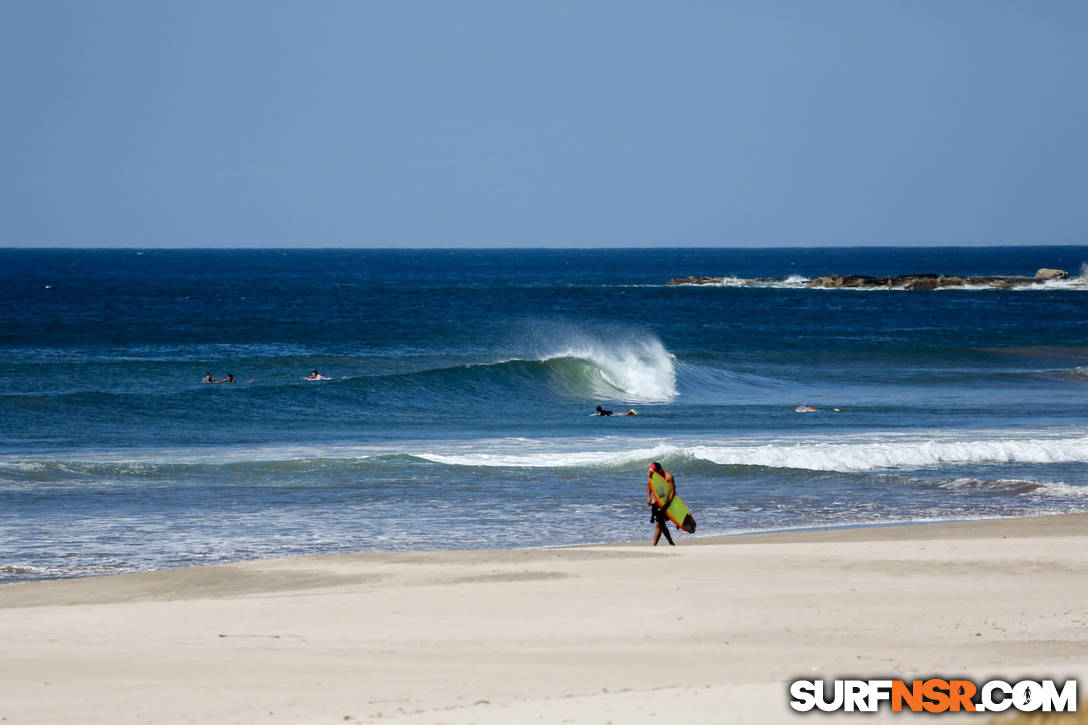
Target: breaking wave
{"x": 1017, "y": 486}
{"x": 813, "y": 455}
{"x": 637, "y": 372}
{"x": 875, "y": 454}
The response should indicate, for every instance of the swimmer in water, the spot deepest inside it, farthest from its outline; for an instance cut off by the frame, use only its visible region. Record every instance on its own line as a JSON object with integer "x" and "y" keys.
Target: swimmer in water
{"x": 209, "y": 379}
{"x": 229, "y": 379}
{"x": 602, "y": 411}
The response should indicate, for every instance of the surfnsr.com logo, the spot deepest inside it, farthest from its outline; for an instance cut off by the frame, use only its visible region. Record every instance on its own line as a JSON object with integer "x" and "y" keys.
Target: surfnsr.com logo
{"x": 935, "y": 695}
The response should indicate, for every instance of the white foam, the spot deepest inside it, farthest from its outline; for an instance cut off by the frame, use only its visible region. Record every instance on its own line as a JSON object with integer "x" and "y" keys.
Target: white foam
{"x": 22, "y": 569}
{"x": 1060, "y": 488}
{"x": 637, "y": 371}
{"x": 550, "y": 459}
{"x": 896, "y": 454}
{"x": 731, "y": 282}
{"x": 862, "y": 452}
{"x": 1056, "y": 489}
{"x": 794, "y": 281}
{"x": 1079, "y": 282}
{"x": 211, "y": 455}
{"x": 873, "y": 452}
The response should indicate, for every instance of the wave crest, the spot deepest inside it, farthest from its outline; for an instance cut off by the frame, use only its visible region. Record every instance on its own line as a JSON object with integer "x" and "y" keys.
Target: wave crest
{"x": 852, "y": 457}
{"x": 1018, "y": 486}
{"x": 642, "y": 371}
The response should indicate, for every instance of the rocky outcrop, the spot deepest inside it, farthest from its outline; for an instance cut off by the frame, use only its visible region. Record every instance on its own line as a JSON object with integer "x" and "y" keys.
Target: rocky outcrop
{"x": 935, "y": 281}
{"x": 902, "y": 281}
{"x": 1045, "y": 274}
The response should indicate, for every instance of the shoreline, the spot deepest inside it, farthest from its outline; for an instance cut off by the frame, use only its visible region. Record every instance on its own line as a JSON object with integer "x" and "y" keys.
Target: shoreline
{"x": 623, "y": 632}
{"x": 772, "y": 534}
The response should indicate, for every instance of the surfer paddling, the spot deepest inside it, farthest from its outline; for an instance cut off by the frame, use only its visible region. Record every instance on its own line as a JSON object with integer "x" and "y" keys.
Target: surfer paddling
{"x": 602, "y": 411}
{"x": 657, "y": 513}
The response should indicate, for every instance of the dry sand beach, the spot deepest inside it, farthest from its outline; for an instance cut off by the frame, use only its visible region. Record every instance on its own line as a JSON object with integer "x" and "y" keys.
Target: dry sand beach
{"x": 709, "y": 631}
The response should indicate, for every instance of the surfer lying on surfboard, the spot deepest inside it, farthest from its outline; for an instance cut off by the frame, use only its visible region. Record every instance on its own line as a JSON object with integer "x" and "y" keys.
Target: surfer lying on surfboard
{"x": 602, "y": 411}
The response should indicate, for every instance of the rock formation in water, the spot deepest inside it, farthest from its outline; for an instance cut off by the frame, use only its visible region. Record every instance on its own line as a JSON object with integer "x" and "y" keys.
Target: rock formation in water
{"x": 903, "y": 281}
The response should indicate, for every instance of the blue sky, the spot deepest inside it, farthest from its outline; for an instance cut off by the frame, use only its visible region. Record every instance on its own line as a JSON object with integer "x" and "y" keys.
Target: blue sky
{"x": 559, "y": 124}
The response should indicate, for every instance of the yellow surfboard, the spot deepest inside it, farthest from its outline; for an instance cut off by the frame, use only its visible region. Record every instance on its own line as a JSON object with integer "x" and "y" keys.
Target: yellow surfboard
{"x": 677, "y": 510}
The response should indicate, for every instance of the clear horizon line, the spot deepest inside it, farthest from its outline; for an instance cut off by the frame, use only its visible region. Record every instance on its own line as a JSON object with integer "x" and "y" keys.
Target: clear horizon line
{"x": 83, "y": 247}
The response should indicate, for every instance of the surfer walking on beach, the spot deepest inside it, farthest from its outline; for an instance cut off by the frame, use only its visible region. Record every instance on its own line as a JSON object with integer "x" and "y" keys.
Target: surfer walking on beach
{"x": 657, "y": 513}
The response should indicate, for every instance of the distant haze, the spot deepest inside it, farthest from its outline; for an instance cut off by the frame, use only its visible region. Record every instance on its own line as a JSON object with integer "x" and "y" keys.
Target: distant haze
{"x": 559, "y": 124}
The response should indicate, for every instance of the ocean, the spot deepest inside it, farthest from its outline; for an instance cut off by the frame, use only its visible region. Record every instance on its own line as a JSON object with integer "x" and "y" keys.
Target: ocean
{"x": 461, "y": 384}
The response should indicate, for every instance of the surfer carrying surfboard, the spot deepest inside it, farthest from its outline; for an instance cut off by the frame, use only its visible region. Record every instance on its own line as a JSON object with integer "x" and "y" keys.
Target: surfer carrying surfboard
{"x": 665, "y": 505}
{"x": 657, "y": 512}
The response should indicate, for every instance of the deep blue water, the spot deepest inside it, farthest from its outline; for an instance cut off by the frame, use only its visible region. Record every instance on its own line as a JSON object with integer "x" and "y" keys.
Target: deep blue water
{"x": 458, "y": 409}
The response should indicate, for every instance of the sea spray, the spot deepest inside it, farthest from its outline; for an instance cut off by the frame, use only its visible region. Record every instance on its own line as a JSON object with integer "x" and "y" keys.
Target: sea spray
{"x": 640, "y": 371}
{"x": 602, "y": 361}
